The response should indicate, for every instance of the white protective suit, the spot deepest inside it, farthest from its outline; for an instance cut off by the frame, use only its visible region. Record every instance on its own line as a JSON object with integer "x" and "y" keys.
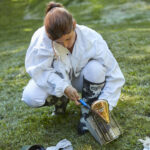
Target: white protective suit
{"x": 52, "y": 66}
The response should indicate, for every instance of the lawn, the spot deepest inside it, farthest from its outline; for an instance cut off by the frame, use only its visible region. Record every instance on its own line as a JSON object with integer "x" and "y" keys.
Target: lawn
{"x": 124, "y": 24}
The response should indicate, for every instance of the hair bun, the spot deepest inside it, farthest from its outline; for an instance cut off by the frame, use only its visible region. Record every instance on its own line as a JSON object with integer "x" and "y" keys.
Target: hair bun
{"x": 52, "y": 5}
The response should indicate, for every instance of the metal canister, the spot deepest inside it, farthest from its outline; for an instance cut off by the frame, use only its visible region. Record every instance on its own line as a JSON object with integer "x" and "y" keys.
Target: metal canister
{"x": 102, "y": 123}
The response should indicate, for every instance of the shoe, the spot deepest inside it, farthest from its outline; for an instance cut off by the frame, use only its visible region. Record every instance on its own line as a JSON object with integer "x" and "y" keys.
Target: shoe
{"x": 60, "y": 104}
{"x": 82, "y": 129}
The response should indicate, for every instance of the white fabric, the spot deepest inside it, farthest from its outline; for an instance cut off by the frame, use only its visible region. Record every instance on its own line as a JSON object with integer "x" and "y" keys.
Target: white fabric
{"x": 46, "y": 69}
{"x": 93, "y": 72}
{"x": 35, "y": 96}
{"x": 146, "y": 143}
{"x": 63, "y": 145}
{"x": 62, "y": 54}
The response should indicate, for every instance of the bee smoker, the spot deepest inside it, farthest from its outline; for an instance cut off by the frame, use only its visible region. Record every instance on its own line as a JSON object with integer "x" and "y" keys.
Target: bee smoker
{"x": 101, "y": 122}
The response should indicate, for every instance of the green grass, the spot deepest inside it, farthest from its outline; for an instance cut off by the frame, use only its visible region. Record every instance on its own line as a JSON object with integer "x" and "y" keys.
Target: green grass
{"x": 124, "y": 24}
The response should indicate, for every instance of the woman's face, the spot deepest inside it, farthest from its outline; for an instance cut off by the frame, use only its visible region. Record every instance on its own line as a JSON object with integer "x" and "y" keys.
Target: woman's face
{"x": 67, "y": 40}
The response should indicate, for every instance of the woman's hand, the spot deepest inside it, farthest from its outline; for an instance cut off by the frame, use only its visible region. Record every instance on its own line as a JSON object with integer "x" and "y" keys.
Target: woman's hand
{"x": 72, "y": 94}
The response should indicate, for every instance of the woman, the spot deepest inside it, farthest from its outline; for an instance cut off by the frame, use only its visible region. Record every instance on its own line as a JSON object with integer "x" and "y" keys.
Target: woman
{"x": 64, "y": 59}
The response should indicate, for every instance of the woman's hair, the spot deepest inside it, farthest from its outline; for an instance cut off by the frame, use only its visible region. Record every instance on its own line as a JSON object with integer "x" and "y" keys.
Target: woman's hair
{"x": 58, "y": 21}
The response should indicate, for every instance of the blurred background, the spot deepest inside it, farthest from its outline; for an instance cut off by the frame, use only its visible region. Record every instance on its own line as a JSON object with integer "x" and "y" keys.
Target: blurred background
{"x": 124, "y": 24}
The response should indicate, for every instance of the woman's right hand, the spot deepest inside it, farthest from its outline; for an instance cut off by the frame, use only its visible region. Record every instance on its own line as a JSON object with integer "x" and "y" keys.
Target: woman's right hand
{"x": 72, "y": 94}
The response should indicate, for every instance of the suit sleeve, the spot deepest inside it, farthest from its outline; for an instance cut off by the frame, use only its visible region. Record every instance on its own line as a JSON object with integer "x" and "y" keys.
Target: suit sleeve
{"x": 114, "y": 77}
{"x": 38, "y": 65}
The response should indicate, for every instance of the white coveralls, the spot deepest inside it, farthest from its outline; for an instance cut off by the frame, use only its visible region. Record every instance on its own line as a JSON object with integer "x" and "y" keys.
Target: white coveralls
{"x": 52, "y": 67}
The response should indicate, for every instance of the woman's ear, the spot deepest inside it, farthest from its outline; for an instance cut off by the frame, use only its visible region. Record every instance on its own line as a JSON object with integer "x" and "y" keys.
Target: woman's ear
{"x": 74, "y": 24}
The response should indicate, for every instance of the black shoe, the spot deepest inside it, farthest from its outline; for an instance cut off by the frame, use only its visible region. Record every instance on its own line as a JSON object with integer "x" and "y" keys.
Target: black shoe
{"x": 61, "y": 105}
{"x": 50, "y": 101}
{"x": 82, "y": 129}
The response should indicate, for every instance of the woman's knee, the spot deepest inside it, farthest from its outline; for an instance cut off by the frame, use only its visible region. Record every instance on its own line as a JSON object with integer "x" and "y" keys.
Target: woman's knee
{"x": 94, "y": 72}
{"x": 32, "y": 101}
{"x": 33, "y": 95}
